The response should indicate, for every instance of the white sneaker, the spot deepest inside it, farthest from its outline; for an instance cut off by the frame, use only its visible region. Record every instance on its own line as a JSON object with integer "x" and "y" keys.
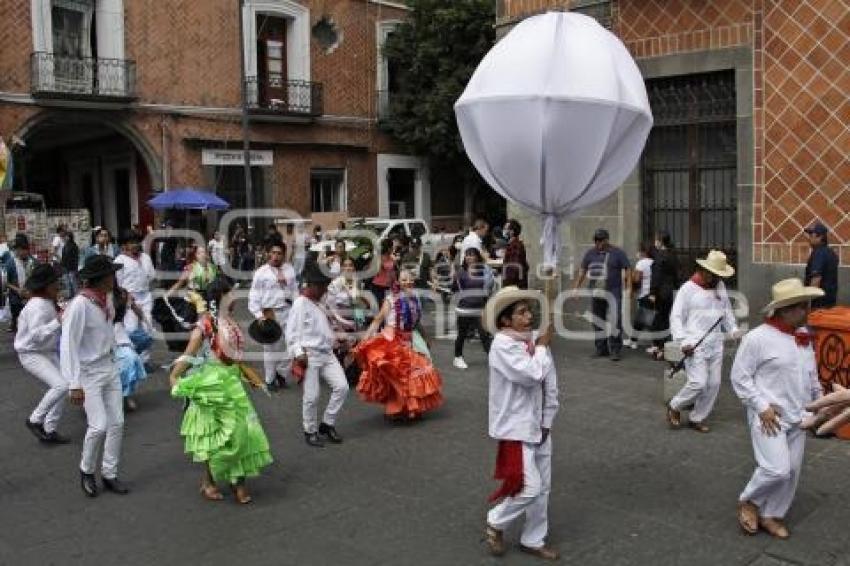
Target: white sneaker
{"x": 627, "y": 343}
{"x": 459, "y": 363}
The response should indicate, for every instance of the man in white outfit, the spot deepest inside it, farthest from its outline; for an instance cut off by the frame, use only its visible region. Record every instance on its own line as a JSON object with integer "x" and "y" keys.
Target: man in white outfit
{"x": 136, "y": 275}
{"x": 775, "y": 375}
{"x": 273, "y": 290}
{"x": 37, "y": 345}
{"x": 86, "y": 360}
{"x": 475, "y": 238}
{"x": 523, "y": 404}
{"x": 699, "y": 304}
{"x": 310, "y": 341}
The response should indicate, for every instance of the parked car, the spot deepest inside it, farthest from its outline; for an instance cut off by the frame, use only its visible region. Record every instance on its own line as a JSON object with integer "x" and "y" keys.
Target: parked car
{"x": 385, "y": 228}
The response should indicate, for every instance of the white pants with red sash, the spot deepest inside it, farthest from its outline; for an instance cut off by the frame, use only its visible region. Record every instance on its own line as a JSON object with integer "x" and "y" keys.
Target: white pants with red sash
{"x": 533, "y": 500}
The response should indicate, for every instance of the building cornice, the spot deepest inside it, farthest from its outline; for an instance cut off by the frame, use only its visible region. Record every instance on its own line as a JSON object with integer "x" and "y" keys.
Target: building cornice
{"x": 389, "y": 4}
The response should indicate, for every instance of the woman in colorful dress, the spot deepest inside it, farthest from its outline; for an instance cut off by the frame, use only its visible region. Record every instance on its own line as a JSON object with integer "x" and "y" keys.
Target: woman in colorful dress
{"x": 198, "y": 274}
{"x": 220, "y": 425}
{"x": 130, "y": 366}
{"x": 397, "y": 369}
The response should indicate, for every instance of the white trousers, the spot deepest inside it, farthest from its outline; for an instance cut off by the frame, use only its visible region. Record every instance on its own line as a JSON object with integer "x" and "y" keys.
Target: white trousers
{"x": 131, "y": 321}
{"x": 533, "y": 500}
{"x": 703, "y": 385}
{"x": 46, "y": 368}
{"x": 104, "y": 407}
{"x": 275, "y": 359}
{"x": 326, "y": 366}
{"x": 778, "y": 459}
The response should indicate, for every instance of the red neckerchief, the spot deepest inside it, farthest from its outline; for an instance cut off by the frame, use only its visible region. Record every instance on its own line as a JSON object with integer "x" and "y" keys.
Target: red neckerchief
{"x": 508, "y": 469}
{"x": 802, "y": 337}
{"x": 696, "y": 278}
{"x": 525, "y": 338}
{"x": 98, "y": 298}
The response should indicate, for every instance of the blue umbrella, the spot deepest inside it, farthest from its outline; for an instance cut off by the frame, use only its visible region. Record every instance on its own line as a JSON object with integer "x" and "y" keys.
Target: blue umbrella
{"x": 188, "y": 199}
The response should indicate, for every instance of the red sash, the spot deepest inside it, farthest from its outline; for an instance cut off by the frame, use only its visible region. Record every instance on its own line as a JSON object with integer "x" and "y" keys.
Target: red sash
{"x": 508, "y": 469}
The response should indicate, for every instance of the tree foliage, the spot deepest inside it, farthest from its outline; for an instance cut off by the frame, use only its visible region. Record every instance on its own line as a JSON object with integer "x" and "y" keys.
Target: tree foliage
{"x": 434, "y": 54}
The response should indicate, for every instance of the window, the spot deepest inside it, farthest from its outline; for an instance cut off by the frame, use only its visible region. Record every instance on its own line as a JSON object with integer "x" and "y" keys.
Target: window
{"x": 327, "y": 190}
{"x": 230, "y": 185}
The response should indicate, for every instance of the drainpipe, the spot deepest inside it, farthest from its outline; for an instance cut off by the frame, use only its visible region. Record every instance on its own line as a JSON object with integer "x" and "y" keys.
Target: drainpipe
{"x": 246, "y": 144}
{"x": 165, "y": 161}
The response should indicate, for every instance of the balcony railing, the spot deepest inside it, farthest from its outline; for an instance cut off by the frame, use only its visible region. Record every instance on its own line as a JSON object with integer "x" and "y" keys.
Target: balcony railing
{"x": 67, "y": 77}
{"x": 288, "y": 98}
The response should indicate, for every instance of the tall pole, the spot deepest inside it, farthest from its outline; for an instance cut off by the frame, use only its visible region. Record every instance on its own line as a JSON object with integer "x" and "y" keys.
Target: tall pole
{"x": 246, "y": 144}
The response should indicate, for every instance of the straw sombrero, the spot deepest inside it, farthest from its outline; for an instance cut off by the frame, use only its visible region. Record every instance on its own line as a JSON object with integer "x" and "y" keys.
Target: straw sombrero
{"x": 716, "y": 263}
{"x": 504, "y": 298}
{"x": 790, "y": 292}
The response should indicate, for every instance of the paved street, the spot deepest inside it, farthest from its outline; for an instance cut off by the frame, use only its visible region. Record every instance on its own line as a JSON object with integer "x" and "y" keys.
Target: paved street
{"x": 626, "y": 490}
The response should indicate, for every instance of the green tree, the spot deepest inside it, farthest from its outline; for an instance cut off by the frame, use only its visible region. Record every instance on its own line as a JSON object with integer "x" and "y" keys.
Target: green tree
{"x": 434, "y": 54}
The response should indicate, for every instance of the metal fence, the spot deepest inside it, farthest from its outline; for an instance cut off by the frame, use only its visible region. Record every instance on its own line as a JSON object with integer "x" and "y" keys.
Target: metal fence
{"x": 292, "y": 97}
{"x": 57, "y": 75}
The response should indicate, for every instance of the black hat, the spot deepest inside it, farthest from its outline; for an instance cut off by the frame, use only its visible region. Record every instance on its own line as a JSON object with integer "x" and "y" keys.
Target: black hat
{"x": 20, "y": 241}
{"x": 42, "y": 275}
{"x": 128, "y": 236}
{"x": 601, "y": 234}
{"x": 313, "y": 274}
{"x": 817, "y": 228}
{"x": 265, "y": 331}
{"x": 98, "y": 266}
{"x": 415, "y": 242}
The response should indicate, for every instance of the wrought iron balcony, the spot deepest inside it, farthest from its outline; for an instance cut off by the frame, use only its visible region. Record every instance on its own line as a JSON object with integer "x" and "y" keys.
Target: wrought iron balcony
{"x": 286, "y": 98}
{"x": 54, "y": 76}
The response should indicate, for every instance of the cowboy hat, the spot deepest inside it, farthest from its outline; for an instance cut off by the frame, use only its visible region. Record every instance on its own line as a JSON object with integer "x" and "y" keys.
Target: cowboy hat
{"x": 716, "y": 264}
{"x": 313, "y": 274}
{"x": 42, "y": 276}
{"x": 98, "y": 266}
{"x": 790, "y": 292}
{"x": 505, "y": 297}
{"x": 265, "y": 331}
{"x": 21, "y": 241}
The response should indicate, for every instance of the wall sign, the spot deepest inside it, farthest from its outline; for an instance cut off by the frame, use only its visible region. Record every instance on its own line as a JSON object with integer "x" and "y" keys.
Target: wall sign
{"x": 261, "y": 158}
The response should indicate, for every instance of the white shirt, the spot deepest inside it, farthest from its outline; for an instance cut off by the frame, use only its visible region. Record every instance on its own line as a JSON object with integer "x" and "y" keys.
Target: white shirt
{"x": 21, "y": 269}
{"x": 87, "y": 339}
{"x": 644, "y": 266}
{"x": 523, "y": 390}
{"x": 695, "y": 310}
{"x": 137, "y": 274}
{"x": 268, "y": 293}
{"x": 57, "y": 244}
{"x": 771, "y": 369}
{"x": 38, "y": 328}
{"x": 308, "y": 328}
{"x": 472, "y": 240}
{"x": 121, "y": 336}
{"x": 217, "y": 252}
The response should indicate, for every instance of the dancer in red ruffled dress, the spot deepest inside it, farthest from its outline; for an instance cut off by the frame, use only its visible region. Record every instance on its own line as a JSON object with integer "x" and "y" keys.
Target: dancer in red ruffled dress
{"x": 397, "y": 369}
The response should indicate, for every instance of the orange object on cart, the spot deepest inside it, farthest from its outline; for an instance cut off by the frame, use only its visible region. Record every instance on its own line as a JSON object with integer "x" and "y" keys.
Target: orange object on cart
{"x": 832, "y": 349}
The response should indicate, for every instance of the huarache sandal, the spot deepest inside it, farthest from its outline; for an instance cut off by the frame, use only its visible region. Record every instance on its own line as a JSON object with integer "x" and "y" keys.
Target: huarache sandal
{"x": 748, "y": 517}
{"x": 241, "y": 493}
{"x": 699, "y": 427}
{"x": 674, "y": 417}
{"x": 211, "y": 493}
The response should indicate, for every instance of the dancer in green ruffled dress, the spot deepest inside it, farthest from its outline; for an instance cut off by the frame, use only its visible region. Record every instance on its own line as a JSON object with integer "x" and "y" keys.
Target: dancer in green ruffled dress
{"x": 220, "y": 425}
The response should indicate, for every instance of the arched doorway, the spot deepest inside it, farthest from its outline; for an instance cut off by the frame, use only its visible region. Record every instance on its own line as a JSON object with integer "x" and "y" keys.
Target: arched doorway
{"x": 80, "y": 159}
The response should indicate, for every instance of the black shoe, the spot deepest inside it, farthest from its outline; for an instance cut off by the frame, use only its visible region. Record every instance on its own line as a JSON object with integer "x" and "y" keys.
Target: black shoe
{"x": 330, "y": 433}
{"x": 115, "y": 486}
{"x": 312, "y": 438}
{"x": 89, "y": 484}
{"x": 281, "y": 382}
{"x": 273, "y": 386}
{"x": 37, "y": 429}
{"x": 54, "y": 437}
{"x": 615, "y": 357}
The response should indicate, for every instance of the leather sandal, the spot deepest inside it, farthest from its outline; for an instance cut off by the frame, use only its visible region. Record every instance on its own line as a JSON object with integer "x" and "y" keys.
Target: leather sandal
{"x": 748, "y": 517}
{"x": 211, "y": 493}
{"x": 699, "y": 426}
{"x": 241, "y": 494}
{"x": 674, "y": 417}
{"x": 494, "y": 540}
{"x": 544, "y": 552}
{"x": 774, "y": 527}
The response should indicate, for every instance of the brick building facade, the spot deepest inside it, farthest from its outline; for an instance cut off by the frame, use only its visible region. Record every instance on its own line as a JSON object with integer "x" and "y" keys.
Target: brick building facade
{"x": 118, "y": 99}
{"x": 752, "y": 126}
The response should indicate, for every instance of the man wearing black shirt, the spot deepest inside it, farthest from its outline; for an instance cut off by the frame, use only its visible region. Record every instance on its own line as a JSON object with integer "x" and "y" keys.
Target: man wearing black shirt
{"x": 822, "y": 267}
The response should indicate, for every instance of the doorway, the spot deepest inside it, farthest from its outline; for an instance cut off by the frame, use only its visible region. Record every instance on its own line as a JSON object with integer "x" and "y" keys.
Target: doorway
{"x": 402, "y": 185}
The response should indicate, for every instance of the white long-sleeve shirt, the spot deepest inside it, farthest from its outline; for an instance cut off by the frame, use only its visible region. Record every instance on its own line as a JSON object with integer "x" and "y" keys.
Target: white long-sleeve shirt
{"x": 308, "y": 328}
{"x": 771, "y": 369}
{"x": 268, "y": 293}
{"x": 695, "y": 310}
{"x": 137, "y": 274}
{"x": 523, "y": 390}
{"x": 38, "y": 328}
{"x": 88, "y": 339}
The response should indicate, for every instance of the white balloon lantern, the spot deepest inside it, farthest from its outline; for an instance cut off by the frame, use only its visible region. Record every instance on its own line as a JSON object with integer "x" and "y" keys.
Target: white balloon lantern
{"x": 555, "y": 117}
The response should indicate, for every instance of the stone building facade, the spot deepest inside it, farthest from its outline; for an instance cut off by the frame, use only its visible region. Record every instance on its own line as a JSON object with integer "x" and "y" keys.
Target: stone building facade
{"x": 116, "y": 100}
{"x": 752, "y": 126}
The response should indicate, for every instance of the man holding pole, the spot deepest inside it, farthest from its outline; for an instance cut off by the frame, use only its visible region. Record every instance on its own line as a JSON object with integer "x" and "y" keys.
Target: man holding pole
{"x": 701, "y": 312}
